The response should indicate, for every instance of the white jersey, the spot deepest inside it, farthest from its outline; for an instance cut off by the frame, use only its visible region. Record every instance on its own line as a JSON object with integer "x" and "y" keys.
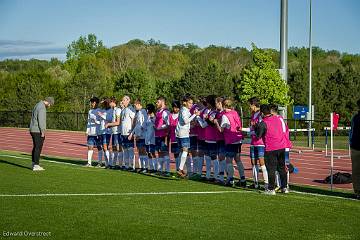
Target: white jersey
{"x": 141, "y": 119}
{"x": 150, "y": 131}
{"x": 127, "y": 117}
{"x": 116, "y": 115}
{"x": 93, "y": 123}
{"x": 105, "y": 117}
{"x": 183, "y": 126}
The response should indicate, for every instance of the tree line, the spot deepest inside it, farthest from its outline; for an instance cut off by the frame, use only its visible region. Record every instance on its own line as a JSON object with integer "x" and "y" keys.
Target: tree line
{"x": 147, "y": 69}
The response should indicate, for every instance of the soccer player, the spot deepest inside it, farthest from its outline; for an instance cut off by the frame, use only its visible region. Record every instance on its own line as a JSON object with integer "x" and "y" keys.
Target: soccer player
{"x": 220, "y": 163}
{"x": 182, "y": 131}
{"x": 271, "y": 130}
{"x": 92, "y": 130}
{"x": 257, "y": 147}
{"x": 173, "y": 120}
{"x": 105, "y": 115}
{"x": 127, "y": 119}
{"x": 231, "y": 127}
{"x": 161, "y": 133}
{"x": 139, "y": 134}
{"x": 150, "y": 137}
{"x": 116, "y": 136}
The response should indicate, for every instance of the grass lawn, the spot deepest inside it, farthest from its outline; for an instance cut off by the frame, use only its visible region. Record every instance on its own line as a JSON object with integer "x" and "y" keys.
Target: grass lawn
{"x": 222, "y": 213}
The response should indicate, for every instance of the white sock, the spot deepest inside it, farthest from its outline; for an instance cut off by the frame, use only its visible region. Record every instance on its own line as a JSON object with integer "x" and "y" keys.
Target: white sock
{"x": 115, "y": 158}
{"x": 208, "y": 166}
{"x": 183, "y": 160}
{"x": 200, "y": 164}
{"x": 216, "y": 169}
{"x": 240, "y": 167}
{"x": 111, "y": 160}
{"x": 255, "y": 174}
{"x": 143, "y": 161}
{"x": 288, "y": 178}
{"x": 90, "y": 154}
{"x": 167, "y": 163}
{"x": 160, "y": 164}
{"x": 121, "y": 158}
{"x": 131, "y": 157}
{"x": 177, "y": 163}
{"x": 277, "y": 179}
{"x": 189, "y": 165}
{"x": 230, "y": 170}
{"x": 265, "y": 174}
{"x": 126, "y": 158}
{"x": 107, "y": 157}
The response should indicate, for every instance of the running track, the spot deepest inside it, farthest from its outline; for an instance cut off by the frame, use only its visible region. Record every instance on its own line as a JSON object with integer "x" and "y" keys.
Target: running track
{"x": 312, "y": 165}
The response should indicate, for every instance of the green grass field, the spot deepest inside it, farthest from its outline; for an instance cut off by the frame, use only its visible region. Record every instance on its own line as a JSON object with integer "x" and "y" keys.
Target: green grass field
{"x": 221, "y": 213}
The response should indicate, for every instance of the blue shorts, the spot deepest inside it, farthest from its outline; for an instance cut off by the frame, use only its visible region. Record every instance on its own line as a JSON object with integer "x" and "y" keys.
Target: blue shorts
{"x": 221, "y": 147}
{"x": 211, "y": 150}
{"x": 160, "y": 144}
{"x": 232, "y": 149}
{"x": 175, "y": 148}
{"x": 116, "y": 139}
{"x": 126, "y": 143}
{"x": 150, "y": 148}
{"x": 140, "y": 143}
{"x": 92, "y": 141}
{"x": 257, "y": 152}
{"x": 193, "y": 143}
{"x": 183, "y": 142}
{"x": 105, "y": 139}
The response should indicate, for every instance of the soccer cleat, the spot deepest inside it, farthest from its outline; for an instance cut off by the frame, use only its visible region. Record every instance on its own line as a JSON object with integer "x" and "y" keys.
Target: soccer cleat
{"x": 270, "y": 192}
{"x": 285, "y": 190}
{"x": 241, "y": 183}
{"x": 181, "y": 173}
{"x": 37, "y": 168}
{"x": 88, "y": 165}
{"x": 254, "y": 186}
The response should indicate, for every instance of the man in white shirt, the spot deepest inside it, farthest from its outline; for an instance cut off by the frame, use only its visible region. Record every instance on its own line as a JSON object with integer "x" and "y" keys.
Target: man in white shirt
{"x": 127, "y": 123}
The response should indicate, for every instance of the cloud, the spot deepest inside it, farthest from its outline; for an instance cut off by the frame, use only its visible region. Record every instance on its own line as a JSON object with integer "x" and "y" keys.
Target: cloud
{"x": 11, "y": 49}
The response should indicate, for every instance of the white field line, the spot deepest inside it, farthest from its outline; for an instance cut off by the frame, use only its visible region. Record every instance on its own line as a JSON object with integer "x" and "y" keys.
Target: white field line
{"x": 65, "y": 163}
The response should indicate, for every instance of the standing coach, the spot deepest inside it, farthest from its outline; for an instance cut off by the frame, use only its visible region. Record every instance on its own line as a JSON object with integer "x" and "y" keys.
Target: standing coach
{"x": 37, "y": 130}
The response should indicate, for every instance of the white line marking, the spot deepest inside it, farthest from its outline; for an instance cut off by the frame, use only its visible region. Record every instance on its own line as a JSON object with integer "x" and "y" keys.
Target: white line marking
{"x": 25, "y": 157}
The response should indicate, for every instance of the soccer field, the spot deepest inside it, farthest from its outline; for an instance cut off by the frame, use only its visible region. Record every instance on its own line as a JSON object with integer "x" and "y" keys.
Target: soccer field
{"x": 74, "y": 202}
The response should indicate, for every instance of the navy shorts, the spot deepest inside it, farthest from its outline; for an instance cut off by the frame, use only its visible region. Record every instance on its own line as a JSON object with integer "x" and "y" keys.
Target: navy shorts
{"x": 92, "y": 141}
{"x": 221, "y": 147}
{"x": 183, "y": 142}
{"x": 126, "y": 143}
{"x": 202, "y": 145}
{"x": 257, "y": 152}
{"x": 150, "y": 148}
{"x": 232, "y": 149}
{"x": 211, "y": 150}
{"x": 105, "y": 139}
{"x": 175, "y": 148}
{"x": 193, "y": 143}
{"x": 160, "y": 144}
{"x": 140, "y": 143}
{"x": 116, "y": 139}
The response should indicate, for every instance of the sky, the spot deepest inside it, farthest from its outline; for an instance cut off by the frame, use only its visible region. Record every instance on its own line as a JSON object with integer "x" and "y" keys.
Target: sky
{"x": 44, "y": 28}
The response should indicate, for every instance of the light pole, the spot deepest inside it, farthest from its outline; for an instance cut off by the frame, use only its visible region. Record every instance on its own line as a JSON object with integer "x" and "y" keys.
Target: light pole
{"x": 310, "y": 113}
{"x": 284, "y": 43}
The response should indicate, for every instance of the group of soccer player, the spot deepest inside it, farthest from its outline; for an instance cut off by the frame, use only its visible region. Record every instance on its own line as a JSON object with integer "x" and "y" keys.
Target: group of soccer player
{"x": 208, "y": 132}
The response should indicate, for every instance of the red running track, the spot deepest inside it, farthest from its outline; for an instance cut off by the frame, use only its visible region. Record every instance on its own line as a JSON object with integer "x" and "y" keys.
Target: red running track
{"x": 312, "y": 165}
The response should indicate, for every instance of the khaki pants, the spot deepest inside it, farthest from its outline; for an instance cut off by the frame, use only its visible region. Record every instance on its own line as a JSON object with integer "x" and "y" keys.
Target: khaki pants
{"x": 355, "y": 160}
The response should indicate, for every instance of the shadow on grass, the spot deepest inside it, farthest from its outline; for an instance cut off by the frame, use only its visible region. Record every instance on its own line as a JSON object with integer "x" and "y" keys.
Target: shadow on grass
{"x": 14, "y": 164}
{"x": 325, "y": 192}
{"x": 78, "y": 144}
{"x": 55, "y": 159}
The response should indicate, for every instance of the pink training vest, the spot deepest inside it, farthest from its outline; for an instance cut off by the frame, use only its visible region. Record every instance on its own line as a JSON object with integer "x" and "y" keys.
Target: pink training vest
{"x": 172, "y": 127}
{"x": 287, "y": 133}
{"x": 219, "y": 135}
{"x": 159, "y": 121}
{"x": 194, "y": 127}
{"x": 233, "y": 134}
{"x": 254, "y": 140}
{"x": 274, "y": 138}
{"x": 210, "y": 132}
{"x": 201, "y": 131}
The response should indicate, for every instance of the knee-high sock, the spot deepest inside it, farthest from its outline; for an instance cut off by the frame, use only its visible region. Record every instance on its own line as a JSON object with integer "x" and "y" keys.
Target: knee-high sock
{"x": 189, "y": 165}
{"x": 111, "y": 159}
{"x": 177, "y": 163}
{"x": 255, "y": 174}
{"x": 151, "y": 164}
{"x": 288, "y": 178}
{"x": 126, "y": 157}
{"x": 230, "y": 171}
{"x": 208, "y": 166}
{"x": 100, "y": 155}
{"x": 121, "y": 158}
{"x": 167, "y": 163}
{"x": 115, "y": 158}
{"x": 200, "y": 164}
{"x": 265, "y": 174}
{"x": 89, "y": 157}
{"x": 131, "y": 157}
{"x": 160, "y": 166}
{"x": 107, "y": 157}
{"x": 143, "y": 161}
{"x": 222, "y": 166}
{"x": 277, "y": 179}
{"x": 183, "y": 160}
{"x": 240, "y": 168}
{"x": 216, "y": 169}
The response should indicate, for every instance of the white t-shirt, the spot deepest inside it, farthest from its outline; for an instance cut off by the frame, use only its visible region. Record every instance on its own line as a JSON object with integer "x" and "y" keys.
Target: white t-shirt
{"x": 105, "y": 117}
{"x": 150, "y": 131}
{"x": 93, "y": 123}
{"x": 127, "y": 117}
{"x": 182, "y": 129}
{"x": 116, "y": 114}
{"x": 141, "y": 119}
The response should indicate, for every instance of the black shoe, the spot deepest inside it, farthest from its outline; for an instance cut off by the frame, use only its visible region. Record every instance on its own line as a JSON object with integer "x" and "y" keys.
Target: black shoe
{"x": 241, "y": 183}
